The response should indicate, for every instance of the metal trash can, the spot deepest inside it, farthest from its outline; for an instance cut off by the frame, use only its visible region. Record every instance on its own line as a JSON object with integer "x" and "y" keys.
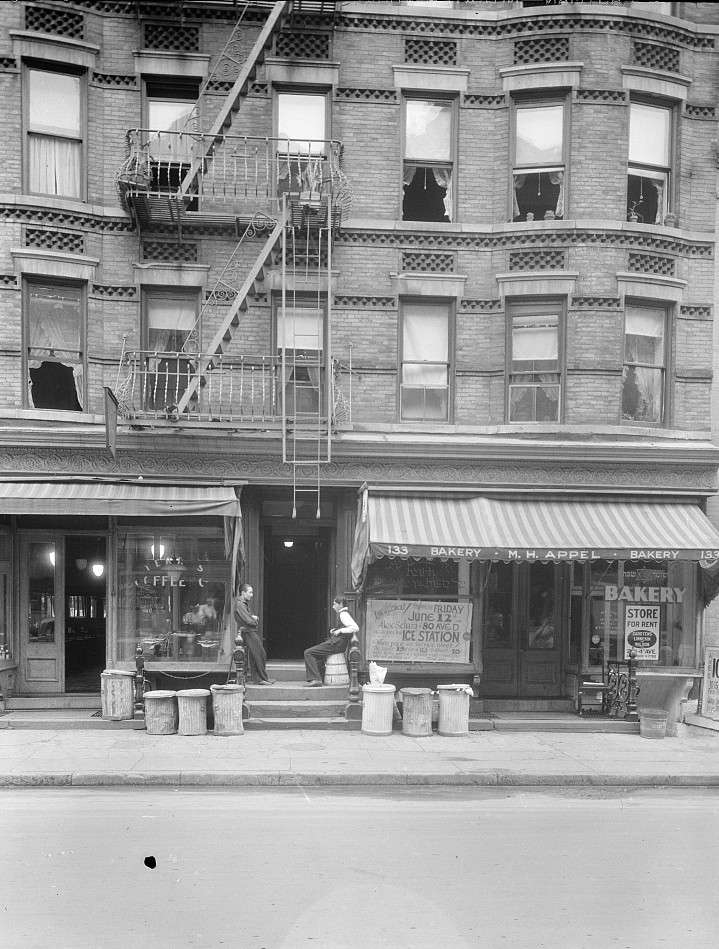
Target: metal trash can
{"x": 161, "y": 712}
{"x": 453, "y": 710}
{"x": 192, "y": 711}
{"x": 416, "y": 712}
{"x": 227, "y": 708}
{"x": 377, "y": 709}
{"x": 653, "y": 722}
{"x": 117, "y": 690}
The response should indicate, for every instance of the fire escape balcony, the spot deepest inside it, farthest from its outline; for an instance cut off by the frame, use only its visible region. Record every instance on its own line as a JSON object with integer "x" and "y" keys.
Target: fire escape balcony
{"x": 238, "y": 176}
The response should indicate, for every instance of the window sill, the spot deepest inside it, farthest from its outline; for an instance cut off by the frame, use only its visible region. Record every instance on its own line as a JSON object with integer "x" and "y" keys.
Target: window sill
{"x": 52, "y": 415}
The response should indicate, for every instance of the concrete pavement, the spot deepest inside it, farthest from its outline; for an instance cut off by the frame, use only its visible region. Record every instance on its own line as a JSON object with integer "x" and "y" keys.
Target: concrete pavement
{"x": 280, "y": 758}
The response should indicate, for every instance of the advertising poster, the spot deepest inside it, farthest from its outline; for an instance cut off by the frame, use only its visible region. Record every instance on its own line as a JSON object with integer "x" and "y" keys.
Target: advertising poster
{"x": 710, "y": 692}
{"x": 641, "y": 630}
{"x": 418, "y": 631}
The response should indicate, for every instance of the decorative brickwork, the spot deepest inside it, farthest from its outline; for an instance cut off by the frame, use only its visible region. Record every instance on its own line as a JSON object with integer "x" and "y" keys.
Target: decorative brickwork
{"x": 52, "y": 218}
{"x": 419, "y": 261}
{"x": 651, "y": 264}
{"x": 303, "y": 45}
{"x": 695, "y": 312}
{"x": 426, "y": 52}
{"x": 259, "y": 89}
{"x": 7, "y": 63}
{"x": 112, "y": 292}
{"x": 169, "y": 36}
{"x": 596, "y": 303}
{"x": 480, "y": 306}
{"x": 619, "y": 96}
{"x": 52, "y": 20}
{"x": 366, "y": 95}
{"x": 112, "y": 80}
{"x": 537, "y": 260}
{"x": 365, "y": 303}
{"x": 169, "y": 252}
{"x": 8, "y": 280}
{"x": 545, "y": 49}
{"x": 477, "y": 101}
{"x": 222, "y": 86}
{"x": 653, "y": 56}
{"x": 699, "y": 111}
{"x": 70, "y": 242}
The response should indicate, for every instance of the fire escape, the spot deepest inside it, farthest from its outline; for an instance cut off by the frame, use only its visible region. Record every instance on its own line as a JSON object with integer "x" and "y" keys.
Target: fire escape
{"x": 287, "y": 194}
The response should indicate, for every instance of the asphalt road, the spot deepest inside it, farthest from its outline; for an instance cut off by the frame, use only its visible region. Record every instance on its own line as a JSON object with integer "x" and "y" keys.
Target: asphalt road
{"x": 376, "y": 869}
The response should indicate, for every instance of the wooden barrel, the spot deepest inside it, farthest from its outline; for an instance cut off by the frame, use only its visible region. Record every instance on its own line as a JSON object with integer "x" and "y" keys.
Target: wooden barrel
{"x": 377, "y": 709}
{"x": 117, "y": 689}
{"x": 417, "y": 712}
{"x": 336, "y": 670}
{"x": 161, "y": 712}
{"x": 227, "y": 707}
{"x": 192, "y": 708}
{"x": 453, "y": 710}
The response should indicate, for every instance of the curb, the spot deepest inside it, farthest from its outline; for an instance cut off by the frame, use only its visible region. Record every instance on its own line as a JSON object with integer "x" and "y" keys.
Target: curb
{"x": 504, "y": 779}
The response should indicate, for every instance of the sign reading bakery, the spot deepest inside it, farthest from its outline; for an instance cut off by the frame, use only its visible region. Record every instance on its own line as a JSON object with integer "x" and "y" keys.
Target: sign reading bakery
{"x": 418, "y": 630}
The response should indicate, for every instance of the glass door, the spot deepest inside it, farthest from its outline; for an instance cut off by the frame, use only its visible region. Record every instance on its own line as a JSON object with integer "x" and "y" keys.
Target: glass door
{"x": 42, "y": 635}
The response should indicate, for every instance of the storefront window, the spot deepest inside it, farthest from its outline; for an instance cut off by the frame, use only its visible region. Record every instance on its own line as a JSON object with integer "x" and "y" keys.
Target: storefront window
{"x": 498, "y": 629}
{"x": 5, "y": 587}
{"x": 542, "y": 605}
{"x": 173, "y": 595}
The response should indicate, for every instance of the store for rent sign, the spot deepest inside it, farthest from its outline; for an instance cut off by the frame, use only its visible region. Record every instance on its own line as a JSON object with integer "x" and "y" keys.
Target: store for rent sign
{"x": 710, "y": 692}
{"x": 641, "y": 630}
{"x": 418, "y": 630}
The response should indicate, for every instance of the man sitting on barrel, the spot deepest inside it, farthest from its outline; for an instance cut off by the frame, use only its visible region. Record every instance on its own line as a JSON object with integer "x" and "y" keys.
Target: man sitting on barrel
{"x": 338, "y": 641}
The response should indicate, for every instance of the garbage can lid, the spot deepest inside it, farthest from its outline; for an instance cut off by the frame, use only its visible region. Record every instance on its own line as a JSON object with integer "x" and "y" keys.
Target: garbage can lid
{"x": 371, "y": 687}
{"x": 416, "y": 691}
{"x": 116, "y": 672}
{"x": 230, "y": 687}
{"x": 193, "y": 693}
{"x": 456, "y": 687}
{"x": 160, "y": 694}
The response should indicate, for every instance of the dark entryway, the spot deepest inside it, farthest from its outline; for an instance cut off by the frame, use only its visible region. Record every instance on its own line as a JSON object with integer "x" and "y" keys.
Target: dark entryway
{"x": 295, "y": 593}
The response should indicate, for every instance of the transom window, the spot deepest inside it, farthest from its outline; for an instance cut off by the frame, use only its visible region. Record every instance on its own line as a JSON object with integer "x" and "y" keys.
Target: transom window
{"x": 538, "y": 176}
{"x": 650, "y": 132}
{"x": 425, "y": 369}
{"x": 643, "y": 381}
{"x": 55, "y": 355}
{"x": 535, "y": 371}
{"x": 428, "y": 160}
{"x": 54, "y": 133}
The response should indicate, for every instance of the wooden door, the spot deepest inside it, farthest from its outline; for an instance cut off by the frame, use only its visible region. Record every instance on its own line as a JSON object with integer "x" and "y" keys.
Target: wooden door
{"x": 42, "y": 626}
{"x": 500, "y": 648}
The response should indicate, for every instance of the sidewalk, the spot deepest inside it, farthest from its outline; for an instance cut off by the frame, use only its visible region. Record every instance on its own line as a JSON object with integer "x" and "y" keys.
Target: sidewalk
{"x": 280, "y": 758}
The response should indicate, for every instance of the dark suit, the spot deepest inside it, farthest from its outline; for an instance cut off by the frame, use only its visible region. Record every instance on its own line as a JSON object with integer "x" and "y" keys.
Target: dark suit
{"x": 256, "y": 655}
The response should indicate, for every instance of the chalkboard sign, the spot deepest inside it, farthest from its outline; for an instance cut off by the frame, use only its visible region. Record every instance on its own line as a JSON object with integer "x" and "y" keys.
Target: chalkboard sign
{"x": 413, "y": 578}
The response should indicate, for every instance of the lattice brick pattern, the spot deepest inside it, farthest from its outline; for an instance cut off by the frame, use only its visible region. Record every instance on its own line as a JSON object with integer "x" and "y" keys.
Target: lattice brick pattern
{"x": 7, "y": 63}
{"x": 366, "y": 95}
{"x": 653, "y": 56}
{"x": 543, "y": 49}
{"x": 596, "y": 303}
{"x": 303, "y": 45}
{"x": 477, "y": 101}
{"x": 71, "y": 242}
{"x": 169, "y": 252}
{"x": 112, "y": 291}
{"x": 171, "y": 37}
{"x": 418, "y": 261}
{"x": 480, "y": 306}
{"x": 365, "y": 303}
{"x": 651, "y": 263}
{"x": 699, "y": 111}
{"x": 601, "y": 95}
{"x": 430, "y": 52}
{"x": 536, "y": 259}
{"x": 8, "y": 280}
{"x": 115, "y": 80}
{"x": 695, "y": 312}
{"x": 61, "y": 22}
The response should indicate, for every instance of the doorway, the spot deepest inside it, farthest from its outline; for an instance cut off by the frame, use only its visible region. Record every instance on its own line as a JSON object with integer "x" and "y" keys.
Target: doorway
{"x": 522, "y": 642}
{"x": 63, "y": 595}
{"x": 295, "y": 592}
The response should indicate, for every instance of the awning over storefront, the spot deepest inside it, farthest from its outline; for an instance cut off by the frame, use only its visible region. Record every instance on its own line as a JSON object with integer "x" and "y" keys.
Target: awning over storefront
{"x": 116, "y": 499}
{"x": 488, "y": 528}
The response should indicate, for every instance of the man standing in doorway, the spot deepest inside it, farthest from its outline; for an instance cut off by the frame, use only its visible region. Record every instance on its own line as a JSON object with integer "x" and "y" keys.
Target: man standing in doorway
{"x": 248, "y": 623}
{"x": 338, "y": 641}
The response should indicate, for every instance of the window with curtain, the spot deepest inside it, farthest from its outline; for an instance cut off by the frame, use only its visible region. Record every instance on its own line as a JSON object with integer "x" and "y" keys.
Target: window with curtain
{"x": 54, "y": 133}
{"x": 171, "y": 341}
{"x": 425, "y": 369}
{"x": 538, "y": 191}
{"x": 535, "y": 370}
{"x": 300, "y": 338}
{"x": 302, "y": 143}
{"x": 644, "y": 364}
{"x": 55, "y": 357}
{"x": 427, "y": 175}
{"x": 649, "y": 173}
{"x": 170, "y": 117}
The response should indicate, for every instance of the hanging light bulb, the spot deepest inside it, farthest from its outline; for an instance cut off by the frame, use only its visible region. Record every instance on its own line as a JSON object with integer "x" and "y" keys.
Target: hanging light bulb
{"x": 51, "y": 555}
{"x": 98, "y": 569}
{"x": 289, "y": 543}
{"x": 161, "y": 554}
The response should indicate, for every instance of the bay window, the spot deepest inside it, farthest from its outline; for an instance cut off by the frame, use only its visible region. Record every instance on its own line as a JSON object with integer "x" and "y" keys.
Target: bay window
{"x": 54, "y": 138}
{"x": 54, "y": 328}
{"x": 643, "y": 379}
{"x": 649, "y": 173}
{"x": 535, "y": 367}
{"x": 539, "y": 163}
{"x": 425, "y": 363}
{"x": 428, "y": 168}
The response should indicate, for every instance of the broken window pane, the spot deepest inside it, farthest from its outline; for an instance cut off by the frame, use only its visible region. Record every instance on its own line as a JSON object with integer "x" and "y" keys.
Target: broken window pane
{"x": 55, "y": 366}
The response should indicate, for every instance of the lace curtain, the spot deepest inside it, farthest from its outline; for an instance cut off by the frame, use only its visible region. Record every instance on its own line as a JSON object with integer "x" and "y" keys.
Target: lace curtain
{"x": 556, "y": 178}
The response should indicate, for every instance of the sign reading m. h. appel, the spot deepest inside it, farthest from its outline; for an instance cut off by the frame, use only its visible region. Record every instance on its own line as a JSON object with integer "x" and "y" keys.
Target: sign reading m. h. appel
{"x": 418, "y": 630}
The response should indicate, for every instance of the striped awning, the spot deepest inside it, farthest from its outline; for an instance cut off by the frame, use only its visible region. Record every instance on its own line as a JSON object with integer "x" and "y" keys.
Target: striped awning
{"x": 488, "y": 528}
{"x": 117, "y": 499}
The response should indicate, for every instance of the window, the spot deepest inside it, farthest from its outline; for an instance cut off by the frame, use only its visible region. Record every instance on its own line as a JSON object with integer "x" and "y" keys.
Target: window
{"x": 538, "y": 177}
{"x": 650, "y": 130}
{"x": 644, "y": 364}
{"x": 54, "y": 346}
{"x": 54, "y": 121}
{"x": 302, "y": 145}
{"x": 169, "y": 107}
{"x": 300, "y": 336}
{"x": 425, "y": 367}
{"x": 171, "y": 337}
{"x": 535, "y": 371}
{"x": 428, "y": 165}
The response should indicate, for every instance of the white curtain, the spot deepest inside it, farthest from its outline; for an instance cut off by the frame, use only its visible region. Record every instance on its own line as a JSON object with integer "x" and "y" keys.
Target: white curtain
{"x": 443, "y": 177}
{"x": 55, "y": 165}
{"x": 557, "y": 178}
{"x": 659, "y": 188}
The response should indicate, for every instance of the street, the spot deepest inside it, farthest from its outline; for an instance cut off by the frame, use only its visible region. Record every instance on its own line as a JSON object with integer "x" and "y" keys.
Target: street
{"x": 378, "y": 868}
